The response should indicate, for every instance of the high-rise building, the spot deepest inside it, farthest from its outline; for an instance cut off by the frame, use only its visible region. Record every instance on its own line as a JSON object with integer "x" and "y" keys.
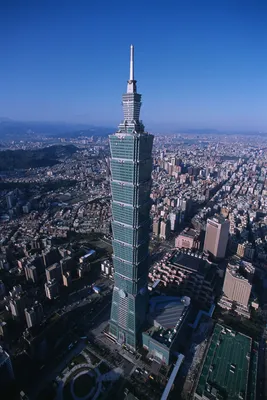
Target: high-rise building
{"x": 51, "y": 289}
{"x": 131, "y": 167}
{"x": 3, "y": 330}
{"x": 17, "y": 305}
{"x": 66, "y": 279}
{"x": 34, "y": 315}
{"x": 156, "y": 226}
{"x": 173, "y": 221}
{"x": 31, "y": 273}
{"x": 53, "y": 272}
{"x": 2, "y": 289}
{"x": 238, "y": 283}
{"x": 165, "y": 229}
{"x": 10, "y": 200}
{"x": 216, "y": 237}
{"x": 6, "y": 369}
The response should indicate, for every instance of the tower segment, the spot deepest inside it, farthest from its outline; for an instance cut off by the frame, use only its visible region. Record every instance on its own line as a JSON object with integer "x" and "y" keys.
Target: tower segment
{"x": 131, "y": 167}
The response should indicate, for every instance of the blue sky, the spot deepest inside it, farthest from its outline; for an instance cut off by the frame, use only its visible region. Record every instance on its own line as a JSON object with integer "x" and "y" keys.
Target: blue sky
{"x": 199, "y": 64}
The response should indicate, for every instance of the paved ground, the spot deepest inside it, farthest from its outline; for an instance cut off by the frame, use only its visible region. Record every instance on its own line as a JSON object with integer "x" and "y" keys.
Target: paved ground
{"x": 49, "y": 374}
{"x": 95, "y": 310}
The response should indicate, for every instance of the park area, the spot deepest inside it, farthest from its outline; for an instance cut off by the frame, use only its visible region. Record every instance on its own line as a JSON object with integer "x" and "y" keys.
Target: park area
{"x": 86, "y": 378}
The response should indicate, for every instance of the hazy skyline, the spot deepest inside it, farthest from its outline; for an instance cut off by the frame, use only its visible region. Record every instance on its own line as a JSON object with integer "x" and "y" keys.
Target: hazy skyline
{"x": 198, "y": 65}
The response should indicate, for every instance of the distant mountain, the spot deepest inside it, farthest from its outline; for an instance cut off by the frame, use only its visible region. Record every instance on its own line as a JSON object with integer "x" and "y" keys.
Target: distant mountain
{"x": 10, "y": 129}
{"x": 200, "y": 131}
{"x": 24, "y": 159}
{"x": 93, "y": 131}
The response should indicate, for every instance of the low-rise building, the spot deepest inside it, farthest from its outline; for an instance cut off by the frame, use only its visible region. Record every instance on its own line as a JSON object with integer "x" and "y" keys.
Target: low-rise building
{"x": 189, "y": 274}
{"x": 233, "y": 376}
{"x": 188, "y": 239}
{"x": 166, "y": 317}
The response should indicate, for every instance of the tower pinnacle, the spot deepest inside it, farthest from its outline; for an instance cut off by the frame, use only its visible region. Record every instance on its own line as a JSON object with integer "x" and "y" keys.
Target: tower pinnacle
{"x": 131, "y": 63}
{"x": 131, "y": 87}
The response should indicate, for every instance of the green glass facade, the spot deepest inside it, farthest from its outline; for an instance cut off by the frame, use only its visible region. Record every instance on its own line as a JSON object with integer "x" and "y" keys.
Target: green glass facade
{"x": 131, "y": 166}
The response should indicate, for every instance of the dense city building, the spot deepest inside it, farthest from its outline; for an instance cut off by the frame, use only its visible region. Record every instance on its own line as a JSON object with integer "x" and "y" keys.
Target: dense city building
{"x": 56, "y": 225}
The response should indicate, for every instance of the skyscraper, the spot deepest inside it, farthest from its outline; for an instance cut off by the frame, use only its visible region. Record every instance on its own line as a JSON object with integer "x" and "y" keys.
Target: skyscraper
{"x": 6, "y": 369}
{"x": 131, "y": 166}
{"x": 216, "y": 237}
{"x": 34, "y": 315}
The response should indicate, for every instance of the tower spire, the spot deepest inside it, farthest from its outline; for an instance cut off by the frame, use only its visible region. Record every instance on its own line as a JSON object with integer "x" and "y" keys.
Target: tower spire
{"x": 131, "y": 63}
{"x": 131, "y": 87}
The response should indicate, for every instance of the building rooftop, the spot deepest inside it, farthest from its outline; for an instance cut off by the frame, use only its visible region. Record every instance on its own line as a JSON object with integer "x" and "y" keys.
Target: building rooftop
{"x": 168, "y": 314}
{"x": 241, "y": 270}
{"x": 189, "y": 232}
{"x": 52, "y": 267}
{"x": 219, "y": 219}
{"x": 168, "y": 311}
{"x": 226, "y": 367}
{"x": 191, "y": 262}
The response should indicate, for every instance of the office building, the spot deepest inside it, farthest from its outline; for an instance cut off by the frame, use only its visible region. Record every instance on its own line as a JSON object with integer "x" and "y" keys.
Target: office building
{"x": 131, "y": 166}
{"x": 31, "y": 273}
{"x": 6, "y": 369}
{"x": 165, "y": 229}
{"x": 17, "y": 305}
{"x": 2, "y": 289}
{"x": 66, "y": 279}
{"x": 188, "y": 239}
{"x": 53, "y": 272}
{"x": 107, "y": 269}
{"x": 216, "y": 237}
{"x": 237, "y": 287}
{"x": 245, "y": 250}
{"x": 51, "y": 289}
{"x": 173, "y": 221}
{"x": 67, "y": 263}
{"x": 3, "y": 330}
{"x": 10, "y": 200}
{"x": 34, "y": 315}
{"x": 16, "y": 290}
{"x": 156, "y": 227}
{"x": 3, "y": 263}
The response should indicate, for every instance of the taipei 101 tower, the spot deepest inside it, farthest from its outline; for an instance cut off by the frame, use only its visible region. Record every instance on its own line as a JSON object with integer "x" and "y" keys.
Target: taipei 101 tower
{"x": 131, "y": 166}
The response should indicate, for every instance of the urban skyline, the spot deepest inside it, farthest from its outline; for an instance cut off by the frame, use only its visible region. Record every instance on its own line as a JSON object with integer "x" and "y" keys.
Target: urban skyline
{"x": 131, "y": 262}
